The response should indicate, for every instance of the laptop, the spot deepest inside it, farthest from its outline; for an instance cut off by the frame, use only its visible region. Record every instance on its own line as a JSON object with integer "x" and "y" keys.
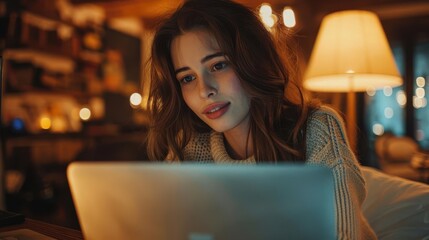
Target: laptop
{"x": 140, "y": 200}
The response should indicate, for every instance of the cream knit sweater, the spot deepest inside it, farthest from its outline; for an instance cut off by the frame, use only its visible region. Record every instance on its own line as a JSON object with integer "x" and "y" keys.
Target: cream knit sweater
{"x": 327, "y": 145}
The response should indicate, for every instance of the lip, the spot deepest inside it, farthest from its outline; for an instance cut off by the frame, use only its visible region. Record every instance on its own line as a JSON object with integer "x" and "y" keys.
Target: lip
{"x": 216, "y": 110}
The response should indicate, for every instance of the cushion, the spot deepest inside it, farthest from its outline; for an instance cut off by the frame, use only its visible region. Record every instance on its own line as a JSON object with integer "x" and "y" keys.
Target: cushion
{"x": 396, "y": 208}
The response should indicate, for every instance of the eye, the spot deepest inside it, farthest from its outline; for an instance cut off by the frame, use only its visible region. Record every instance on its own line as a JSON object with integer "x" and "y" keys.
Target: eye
{"x": 219, "y": 66}
{"x": 187, "y": 79}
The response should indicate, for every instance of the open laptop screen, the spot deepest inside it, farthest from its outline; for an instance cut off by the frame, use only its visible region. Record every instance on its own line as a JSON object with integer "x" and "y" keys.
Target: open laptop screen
{"x": 167, "y": 201}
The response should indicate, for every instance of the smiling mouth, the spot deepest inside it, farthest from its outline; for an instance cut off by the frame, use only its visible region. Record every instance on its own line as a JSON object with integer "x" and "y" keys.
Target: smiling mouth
{"x": 216, "y": 111}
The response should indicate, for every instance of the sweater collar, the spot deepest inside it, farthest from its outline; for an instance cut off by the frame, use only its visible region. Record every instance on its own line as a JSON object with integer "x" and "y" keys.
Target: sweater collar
{"x": 219, "y": 153}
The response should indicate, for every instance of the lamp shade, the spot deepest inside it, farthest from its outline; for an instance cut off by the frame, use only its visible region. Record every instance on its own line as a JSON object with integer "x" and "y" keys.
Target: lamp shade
{"x": 351, "y": 53}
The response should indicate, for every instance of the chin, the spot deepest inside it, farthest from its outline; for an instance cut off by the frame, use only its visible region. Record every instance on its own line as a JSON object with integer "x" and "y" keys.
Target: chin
{"x": 221, "y": 127}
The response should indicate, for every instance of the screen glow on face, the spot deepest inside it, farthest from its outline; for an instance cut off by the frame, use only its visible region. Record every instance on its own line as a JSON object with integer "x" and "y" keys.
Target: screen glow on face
{"x": 209, "y": 85}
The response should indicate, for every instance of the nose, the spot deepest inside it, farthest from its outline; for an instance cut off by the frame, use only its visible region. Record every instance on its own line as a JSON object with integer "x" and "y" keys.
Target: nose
{"x": 207, "y": 86}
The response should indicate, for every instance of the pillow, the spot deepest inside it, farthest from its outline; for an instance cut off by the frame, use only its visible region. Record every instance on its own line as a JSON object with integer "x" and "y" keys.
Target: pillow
{"x": 396, "y": 208}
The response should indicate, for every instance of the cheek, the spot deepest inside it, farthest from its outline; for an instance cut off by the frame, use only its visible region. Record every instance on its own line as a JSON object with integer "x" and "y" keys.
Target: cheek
{"x": 237, "y": 88}
{"x": 189, "y": 100}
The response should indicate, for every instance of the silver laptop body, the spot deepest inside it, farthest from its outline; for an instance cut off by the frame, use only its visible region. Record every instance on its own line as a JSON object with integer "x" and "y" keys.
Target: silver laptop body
{"x": 136, "y": 200}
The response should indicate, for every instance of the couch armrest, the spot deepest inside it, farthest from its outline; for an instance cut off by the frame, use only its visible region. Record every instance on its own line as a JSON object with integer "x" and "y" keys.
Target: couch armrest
{"x": 396, "y": 208}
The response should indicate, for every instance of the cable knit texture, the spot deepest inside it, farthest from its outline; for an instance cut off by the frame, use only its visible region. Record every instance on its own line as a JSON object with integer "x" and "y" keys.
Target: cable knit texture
{"x": 327, "y": 145}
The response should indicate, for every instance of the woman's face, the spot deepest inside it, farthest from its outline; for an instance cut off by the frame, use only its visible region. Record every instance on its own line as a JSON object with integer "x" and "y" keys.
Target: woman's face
{"x": 209, "y": 84}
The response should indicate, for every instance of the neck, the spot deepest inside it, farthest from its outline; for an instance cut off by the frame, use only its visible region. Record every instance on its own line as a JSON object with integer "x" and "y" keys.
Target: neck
{"x": 238, "y": 143}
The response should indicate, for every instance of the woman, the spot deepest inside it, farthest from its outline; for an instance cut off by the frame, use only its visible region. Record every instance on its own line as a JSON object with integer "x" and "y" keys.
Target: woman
{"x": 222, "y": 91}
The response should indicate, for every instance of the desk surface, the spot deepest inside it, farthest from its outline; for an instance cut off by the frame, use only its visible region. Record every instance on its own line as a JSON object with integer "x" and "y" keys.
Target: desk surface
{"x": 47, "y": 229}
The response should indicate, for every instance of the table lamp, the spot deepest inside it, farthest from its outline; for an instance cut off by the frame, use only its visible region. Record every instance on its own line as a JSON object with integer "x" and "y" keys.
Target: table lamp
{"x": 351, "y": 54}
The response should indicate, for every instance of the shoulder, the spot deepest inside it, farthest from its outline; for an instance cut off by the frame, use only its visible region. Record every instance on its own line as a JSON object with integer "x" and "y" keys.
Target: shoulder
{"x": 327, "y": 144}
{"x": 325, "y": 113}
{"x": 325, "y": 121}
{"x": 326, "y": 138}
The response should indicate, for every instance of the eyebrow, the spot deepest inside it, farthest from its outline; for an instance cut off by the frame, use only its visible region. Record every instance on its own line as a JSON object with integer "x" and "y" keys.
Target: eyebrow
{"x": 211, "y": 56}
{"x": 203, "y": 60}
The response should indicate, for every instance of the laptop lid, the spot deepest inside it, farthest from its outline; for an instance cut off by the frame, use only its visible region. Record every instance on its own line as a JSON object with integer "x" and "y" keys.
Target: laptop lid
{"x": 135, "y": 200}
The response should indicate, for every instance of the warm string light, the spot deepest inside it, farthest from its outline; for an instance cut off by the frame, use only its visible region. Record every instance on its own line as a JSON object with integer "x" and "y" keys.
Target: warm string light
{"x": 420, "y": 81}
{"x": 91, "y": 110}
{"x": 401, "y": 98}
{"x": 388, "y": 112}
{"x": 45, "y": 122}
{"x": 419, "y": 101}
{"x": 135, "y": 100}
{"x": 378, "y": 129}
{"x": 371, "y": 91}
{"x": 289, "y": 17}
{"x": 85, "y": 114}
{"x": 387, "y": 91}
{"x": 269, "y": 19}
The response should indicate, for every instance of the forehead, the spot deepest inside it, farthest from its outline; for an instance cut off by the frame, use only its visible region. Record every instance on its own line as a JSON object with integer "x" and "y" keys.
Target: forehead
{"x": 192, "y": 45}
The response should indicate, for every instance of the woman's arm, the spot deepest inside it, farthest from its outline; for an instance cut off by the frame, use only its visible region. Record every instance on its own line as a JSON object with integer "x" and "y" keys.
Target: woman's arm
{"x": 327, "y": 145}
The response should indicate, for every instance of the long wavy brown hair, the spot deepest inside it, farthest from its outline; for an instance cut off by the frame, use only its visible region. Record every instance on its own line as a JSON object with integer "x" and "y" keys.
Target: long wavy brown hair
{"x": 265, "y": 63}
